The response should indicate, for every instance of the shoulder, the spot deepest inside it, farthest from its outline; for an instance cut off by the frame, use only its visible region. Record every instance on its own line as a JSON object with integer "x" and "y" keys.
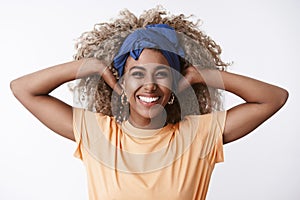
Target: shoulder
{"x": 205, "y": 120}
{"x": 92, "y": 124}
{"x": 88, "y": 117}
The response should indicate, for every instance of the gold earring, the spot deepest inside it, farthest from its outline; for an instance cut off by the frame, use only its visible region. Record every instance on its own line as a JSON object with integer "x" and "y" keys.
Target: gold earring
{"x": 123, "y": 97}
{"x": 171, "y": 101}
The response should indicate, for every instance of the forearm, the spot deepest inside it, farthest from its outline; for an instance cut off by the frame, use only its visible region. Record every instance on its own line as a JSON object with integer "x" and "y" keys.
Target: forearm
{"x": 44, "y": 81}
{"x": 262, "y": 101}
{"x": 33, "y": 90}
{"x": 249, "y": 89}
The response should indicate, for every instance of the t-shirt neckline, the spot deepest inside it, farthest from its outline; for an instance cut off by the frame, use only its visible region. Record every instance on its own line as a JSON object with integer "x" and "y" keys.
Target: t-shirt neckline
{"x": 144, "y": 133}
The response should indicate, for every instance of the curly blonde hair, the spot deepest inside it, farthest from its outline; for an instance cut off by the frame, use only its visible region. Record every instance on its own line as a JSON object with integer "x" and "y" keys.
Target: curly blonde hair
{"x": 104, "y": 41}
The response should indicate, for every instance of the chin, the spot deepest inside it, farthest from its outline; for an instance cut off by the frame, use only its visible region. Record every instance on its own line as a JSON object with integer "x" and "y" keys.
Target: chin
{"x": 156, "y": 111}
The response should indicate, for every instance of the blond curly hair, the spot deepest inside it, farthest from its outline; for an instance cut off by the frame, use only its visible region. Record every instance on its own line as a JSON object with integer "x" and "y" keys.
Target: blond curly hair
{"x": 104, "y": 41}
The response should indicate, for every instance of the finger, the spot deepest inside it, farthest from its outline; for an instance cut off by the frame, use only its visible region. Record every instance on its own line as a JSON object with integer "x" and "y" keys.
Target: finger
{"x": 111, "y": 80}
{"x": 118, "y": 89}
{"x": 183, "y": 84}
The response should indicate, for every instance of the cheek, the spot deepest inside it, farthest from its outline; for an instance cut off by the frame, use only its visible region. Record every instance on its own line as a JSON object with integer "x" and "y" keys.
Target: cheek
{"x": 167, "y": 83}
{"x": 131, "y": 86}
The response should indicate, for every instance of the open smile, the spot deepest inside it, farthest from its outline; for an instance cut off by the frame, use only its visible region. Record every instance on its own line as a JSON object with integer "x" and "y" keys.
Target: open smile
{"x": 148, "y": 100}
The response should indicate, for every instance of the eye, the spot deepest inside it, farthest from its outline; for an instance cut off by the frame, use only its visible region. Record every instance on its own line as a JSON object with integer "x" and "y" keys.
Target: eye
{"x": 137, "y": 74}
{"x": 162, "y": 74}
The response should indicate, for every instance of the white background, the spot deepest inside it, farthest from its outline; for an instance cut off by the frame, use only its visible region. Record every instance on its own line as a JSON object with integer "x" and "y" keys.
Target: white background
{"x": 260, "y": 36}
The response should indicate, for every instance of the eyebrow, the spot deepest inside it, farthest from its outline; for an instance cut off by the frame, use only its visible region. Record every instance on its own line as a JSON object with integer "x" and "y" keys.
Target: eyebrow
{"x": 143, "y": 68}
{"x": 162, "y": 67}
{"x": 137, "y": 67}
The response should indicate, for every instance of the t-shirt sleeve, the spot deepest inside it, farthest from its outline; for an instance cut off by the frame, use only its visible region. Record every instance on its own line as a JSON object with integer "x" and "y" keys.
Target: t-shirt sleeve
{"x": 78, "y": 119}
{"x": 210, "y": 136}
{"x": 217, "y": 129}
{"x": 91, "y": 130}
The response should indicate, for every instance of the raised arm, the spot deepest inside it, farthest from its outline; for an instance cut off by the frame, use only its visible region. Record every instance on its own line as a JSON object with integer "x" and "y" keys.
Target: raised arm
{"x": 262, "y": 100}
{"x": 33, "y": 90}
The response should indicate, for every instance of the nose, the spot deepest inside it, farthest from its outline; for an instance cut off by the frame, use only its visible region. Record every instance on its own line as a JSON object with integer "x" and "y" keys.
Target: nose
{"x": 150, "y": 84}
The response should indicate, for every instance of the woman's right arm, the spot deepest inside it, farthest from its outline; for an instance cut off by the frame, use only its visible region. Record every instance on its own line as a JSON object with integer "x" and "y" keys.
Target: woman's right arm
{"x": 33, "y": 90}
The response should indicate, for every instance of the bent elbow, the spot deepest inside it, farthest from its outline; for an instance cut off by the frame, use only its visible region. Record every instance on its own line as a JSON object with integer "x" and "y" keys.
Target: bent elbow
{"x": 280, "y": 99}
{"x": 17, "y": 88}
{"x": 283, "y": 97}
{"x": 13, "y": 87}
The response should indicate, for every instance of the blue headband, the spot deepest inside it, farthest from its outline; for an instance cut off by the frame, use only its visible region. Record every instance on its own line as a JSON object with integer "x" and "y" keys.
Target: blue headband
{"x": 156, "y": 36}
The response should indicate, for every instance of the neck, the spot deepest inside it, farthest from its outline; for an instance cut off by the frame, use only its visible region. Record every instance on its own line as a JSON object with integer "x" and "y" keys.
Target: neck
{"x": 151, "y": 123}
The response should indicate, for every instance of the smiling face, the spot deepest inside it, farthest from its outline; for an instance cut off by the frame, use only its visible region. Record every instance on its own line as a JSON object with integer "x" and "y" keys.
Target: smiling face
{"x": 147, "y": 84}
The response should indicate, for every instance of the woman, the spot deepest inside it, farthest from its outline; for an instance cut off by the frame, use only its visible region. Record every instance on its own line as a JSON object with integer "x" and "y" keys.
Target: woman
{"x": 152, "y": 127}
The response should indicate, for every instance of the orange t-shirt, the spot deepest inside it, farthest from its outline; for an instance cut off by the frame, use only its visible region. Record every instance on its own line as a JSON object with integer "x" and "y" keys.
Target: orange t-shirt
{"x": 125, "y": 162}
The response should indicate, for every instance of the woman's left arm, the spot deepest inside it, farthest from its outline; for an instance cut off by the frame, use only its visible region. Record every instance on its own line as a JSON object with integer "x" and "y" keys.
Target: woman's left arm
{"x": 262, "y": 100}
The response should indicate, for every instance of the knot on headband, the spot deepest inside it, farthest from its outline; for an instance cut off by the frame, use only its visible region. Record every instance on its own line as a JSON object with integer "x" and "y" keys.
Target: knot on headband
{"x": 155, "y": 36}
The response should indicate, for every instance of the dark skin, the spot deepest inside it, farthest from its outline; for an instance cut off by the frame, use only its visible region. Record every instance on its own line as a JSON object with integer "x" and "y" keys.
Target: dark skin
{"x": 147, "y": 83}
{"x": 262, "y": 100}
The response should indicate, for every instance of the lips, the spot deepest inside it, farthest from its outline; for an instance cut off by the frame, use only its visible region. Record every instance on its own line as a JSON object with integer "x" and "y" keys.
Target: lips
{"x": 148, "y": 100}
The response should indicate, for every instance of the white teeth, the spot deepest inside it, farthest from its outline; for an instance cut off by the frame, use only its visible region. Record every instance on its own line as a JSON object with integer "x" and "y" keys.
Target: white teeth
{"x": 148, "y": 99}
